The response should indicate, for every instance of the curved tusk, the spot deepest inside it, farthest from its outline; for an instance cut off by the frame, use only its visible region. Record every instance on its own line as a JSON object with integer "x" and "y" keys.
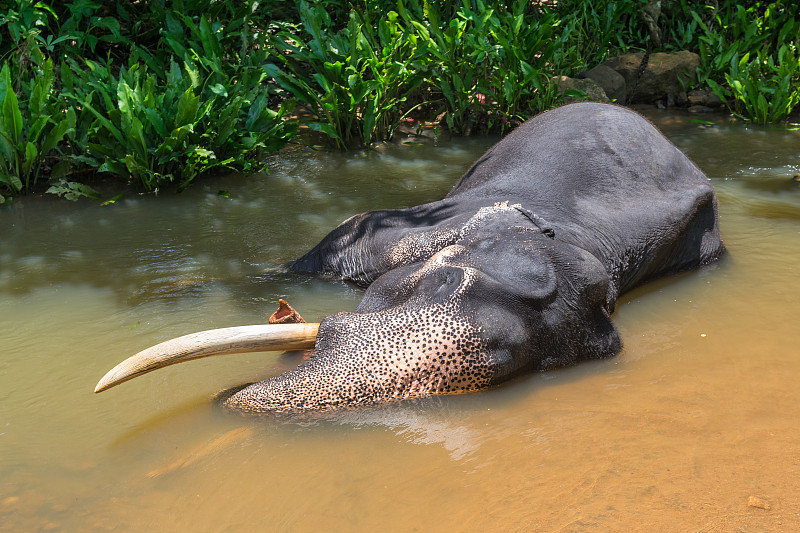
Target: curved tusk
{"x": 240, "y": 339}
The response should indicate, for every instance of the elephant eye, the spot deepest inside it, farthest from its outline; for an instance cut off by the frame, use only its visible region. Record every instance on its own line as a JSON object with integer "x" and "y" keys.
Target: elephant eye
{"x": 446, "y": 280}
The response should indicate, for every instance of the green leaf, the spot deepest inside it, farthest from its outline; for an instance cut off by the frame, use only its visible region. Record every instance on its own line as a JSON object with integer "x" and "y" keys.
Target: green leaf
{"x": 36, "y": 128}
{"x": 13, "y": 183}
{"x": 219, "y": 89}
{"x": 36, "y": 100}
{"x": 5, "y": 79}
{"x": 210, "y": 41}
{"x": 55, "y": 135}
{"x": 327, "y": 129}
{"x": 139, "y": 142}
{"x": 188, "y": 106}
{"x": 155, "y": 119}
{"x": 12, "y": 117}
{"x": 104, "y": 121}
{"x": 114, "y": 167}
{"x": 30, "y": 156}
{"x": 72, "y": 190}
{"x": 256, "y": 109}
{"x": 112, "y": 200}
{"x": 193, "y": 72}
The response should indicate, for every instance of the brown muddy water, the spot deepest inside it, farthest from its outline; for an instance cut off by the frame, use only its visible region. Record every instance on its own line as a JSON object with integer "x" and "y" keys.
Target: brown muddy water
{"x": 695, "y": 426}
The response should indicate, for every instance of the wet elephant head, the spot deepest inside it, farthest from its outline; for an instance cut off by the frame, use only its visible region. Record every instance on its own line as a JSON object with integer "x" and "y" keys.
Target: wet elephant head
{"x": 502, "y": 298}
{"x": 517, "y": 269}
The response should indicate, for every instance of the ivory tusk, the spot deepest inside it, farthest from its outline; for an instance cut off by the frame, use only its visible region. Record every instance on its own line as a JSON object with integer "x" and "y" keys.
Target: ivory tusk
{"x": 240, "y": 339}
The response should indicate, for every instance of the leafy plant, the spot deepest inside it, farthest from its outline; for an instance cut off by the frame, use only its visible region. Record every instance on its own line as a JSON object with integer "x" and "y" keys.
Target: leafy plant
{"x": 23, "y": 20}
{"x": 243, "y": 126}
{"x": 459, "y": 51}
{"x": 172, "y": 132}
{"x": 735, "y": 30}
{"x": 393, "y": 61}
{"x": 72, "y": 190}
{"x": 597, "y": 27}
{"x": 30, "y": 131}
{"x": 87, "y": 26}
{"x": 138, "y": 130}
{"x": 754, "y": 50}
{"x": 762, "y": 90}
{"x": 491, "y": 64}
{"x": 522, "y": 69}
{"x": 354, "y": 80}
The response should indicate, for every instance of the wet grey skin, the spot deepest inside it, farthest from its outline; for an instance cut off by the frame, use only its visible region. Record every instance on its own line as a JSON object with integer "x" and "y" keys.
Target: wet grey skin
{"x": 517, "y": 269}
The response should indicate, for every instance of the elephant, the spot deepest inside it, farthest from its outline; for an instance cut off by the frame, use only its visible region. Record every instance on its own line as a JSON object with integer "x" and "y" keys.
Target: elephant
{"x": 517, "y": 269}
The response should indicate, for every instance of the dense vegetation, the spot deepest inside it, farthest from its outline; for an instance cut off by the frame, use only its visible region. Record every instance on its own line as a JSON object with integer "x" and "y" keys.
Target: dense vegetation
{"x": 158, "y": 92}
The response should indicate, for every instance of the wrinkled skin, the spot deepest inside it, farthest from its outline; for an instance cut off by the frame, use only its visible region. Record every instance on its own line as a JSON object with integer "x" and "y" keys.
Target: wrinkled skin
{"x": 517, "y": 269}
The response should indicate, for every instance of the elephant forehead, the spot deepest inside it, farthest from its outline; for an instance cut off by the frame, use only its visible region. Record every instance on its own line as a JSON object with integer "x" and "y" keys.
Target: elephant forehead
{"x": 418, "y": 244}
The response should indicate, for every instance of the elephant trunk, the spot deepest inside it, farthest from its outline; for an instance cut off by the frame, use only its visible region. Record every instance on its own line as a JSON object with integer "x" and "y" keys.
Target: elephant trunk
{"x": 376, "y": 358}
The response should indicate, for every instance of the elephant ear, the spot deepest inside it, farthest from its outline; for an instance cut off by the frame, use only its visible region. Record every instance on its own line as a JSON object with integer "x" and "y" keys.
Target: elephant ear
{"x": 554, "y": 291}
{"x": 517, "y": 260}
{"x": 512, "y": 246}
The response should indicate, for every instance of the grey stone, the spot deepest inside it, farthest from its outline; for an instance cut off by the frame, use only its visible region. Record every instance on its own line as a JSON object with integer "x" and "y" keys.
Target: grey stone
{"x": 590, "y": 87}
{"x": 665, "y": 74}
{"x": 713, "y": 99}
{"x": 697, "y": 97}
{"x": 704, "y": 97}
{"x": 610, "y": 80}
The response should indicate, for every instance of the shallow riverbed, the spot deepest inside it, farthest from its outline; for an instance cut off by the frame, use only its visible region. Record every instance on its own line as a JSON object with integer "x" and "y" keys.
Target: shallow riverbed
{"x": 693, "y": 427}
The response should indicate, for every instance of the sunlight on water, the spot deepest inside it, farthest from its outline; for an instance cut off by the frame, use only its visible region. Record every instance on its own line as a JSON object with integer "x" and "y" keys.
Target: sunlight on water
{"x": 692, "y": 427}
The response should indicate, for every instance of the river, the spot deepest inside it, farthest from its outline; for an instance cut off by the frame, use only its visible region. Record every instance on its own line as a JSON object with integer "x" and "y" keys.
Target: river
{"x": 693, "y": 427}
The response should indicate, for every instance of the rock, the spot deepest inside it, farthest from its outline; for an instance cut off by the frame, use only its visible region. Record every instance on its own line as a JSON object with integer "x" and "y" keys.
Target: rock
{"x": 760, "y": 503}
{"x": 697, "y": 97}
{"x": 700, "y": 109}
{"x": 611, "y": 81}
{"x": 665, "y": 74}
{"x": 704, "y": 97}
{"x": 590, "y": 87}
{"x": 713, "y": 99}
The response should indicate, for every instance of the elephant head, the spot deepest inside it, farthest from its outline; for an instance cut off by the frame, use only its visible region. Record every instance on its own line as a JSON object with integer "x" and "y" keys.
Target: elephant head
{"x": 501, "y": 296}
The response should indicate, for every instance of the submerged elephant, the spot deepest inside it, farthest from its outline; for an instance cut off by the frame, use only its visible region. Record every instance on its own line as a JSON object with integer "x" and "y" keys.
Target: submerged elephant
{"x": 517, "y": 269}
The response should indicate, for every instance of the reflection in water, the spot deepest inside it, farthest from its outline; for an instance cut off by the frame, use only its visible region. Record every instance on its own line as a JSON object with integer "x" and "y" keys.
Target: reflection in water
{"x": 693, "y": 422}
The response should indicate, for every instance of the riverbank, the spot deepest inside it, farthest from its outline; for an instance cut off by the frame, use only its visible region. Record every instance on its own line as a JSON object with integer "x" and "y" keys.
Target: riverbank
{"x": 155, "y": 97}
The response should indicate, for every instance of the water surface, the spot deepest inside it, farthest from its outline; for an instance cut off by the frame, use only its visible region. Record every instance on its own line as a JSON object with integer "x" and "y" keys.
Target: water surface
{"x": 693, "y": 427}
